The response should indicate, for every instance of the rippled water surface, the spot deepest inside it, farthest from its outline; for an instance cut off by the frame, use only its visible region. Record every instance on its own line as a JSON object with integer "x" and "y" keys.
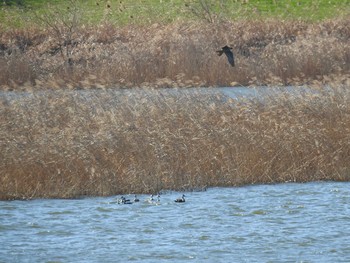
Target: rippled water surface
{"x": 266, "y": 223}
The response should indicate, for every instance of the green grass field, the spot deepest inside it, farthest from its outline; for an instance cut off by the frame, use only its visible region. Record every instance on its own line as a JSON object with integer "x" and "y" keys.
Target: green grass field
{"x": 19, "y": 13}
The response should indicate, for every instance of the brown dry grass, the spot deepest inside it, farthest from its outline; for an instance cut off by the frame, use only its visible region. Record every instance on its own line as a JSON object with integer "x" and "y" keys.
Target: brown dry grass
{"x": 174, "y": 55}
{"x": 57, "y": 141}
{"x": 64, "y": 144}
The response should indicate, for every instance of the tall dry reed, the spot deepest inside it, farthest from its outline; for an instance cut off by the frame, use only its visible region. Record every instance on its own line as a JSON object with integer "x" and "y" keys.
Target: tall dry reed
{"x": 64, "y": 144}
{"x": 180, "y": 54}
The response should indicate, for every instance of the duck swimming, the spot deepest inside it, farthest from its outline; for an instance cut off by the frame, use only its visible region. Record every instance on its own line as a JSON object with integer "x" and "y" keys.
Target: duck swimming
{"x": 136, "y": 199}
{"x": 123, "y": 200}
{"x": 150, "y": 200}
{"x": 180, "y": 200}
{"x": 158, "y": 199}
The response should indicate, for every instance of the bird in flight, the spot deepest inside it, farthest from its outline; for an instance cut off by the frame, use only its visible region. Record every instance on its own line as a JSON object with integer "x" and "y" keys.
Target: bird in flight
{"x": 228, "y": 53}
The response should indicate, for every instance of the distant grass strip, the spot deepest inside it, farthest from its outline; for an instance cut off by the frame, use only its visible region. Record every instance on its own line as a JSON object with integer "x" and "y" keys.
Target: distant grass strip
{"x": 22, "y": 13}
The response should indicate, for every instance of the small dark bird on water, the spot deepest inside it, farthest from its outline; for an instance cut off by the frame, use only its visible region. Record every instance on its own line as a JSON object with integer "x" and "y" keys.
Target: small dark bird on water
{"x": 228, "y": 53}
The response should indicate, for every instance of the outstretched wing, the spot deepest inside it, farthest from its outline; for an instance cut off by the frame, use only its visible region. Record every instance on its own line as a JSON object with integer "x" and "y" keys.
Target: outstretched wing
{"x": 230, "y": 57}
{"x": 219, "y": 52}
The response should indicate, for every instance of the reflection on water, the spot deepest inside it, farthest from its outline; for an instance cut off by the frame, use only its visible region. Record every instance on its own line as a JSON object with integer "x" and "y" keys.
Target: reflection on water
{"x": 266, "y": 223}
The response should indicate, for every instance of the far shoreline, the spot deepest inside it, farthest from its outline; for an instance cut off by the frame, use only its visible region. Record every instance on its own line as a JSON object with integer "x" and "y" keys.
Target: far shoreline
{"x": 176, "y": 55}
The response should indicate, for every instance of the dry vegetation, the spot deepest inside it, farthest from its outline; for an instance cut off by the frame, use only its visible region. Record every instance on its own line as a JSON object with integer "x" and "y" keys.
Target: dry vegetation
{"x": 68, "y": 128}
{"x": 173, "y": 55}
{"x": 102, "y": 142}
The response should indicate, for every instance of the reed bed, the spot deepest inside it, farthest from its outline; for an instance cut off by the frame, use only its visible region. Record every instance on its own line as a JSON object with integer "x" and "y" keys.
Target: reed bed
{"x": 179, "y": 54}
{"x": 83, "y": 109}
{"x": 73, "y": 143}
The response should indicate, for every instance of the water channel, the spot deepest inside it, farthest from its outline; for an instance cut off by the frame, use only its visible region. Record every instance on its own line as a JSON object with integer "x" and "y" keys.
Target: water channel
{"x": 260, "y": 223}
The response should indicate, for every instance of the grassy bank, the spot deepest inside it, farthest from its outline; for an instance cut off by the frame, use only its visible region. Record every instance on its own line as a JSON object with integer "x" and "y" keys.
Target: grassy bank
{"x": 104, "y": 142}
{"x": 21, "y": 13}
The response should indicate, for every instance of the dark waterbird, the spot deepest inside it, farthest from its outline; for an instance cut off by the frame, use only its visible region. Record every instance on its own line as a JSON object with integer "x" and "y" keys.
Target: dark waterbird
{"x": 180, "y": 200}
{"x": 228, "y": 53}
{"x": 124, "y": 201}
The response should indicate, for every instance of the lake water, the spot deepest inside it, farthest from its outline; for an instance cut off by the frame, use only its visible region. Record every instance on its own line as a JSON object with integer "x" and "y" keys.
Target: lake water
{"x": 229, "y": 92}
{"x": 264, "y": 223}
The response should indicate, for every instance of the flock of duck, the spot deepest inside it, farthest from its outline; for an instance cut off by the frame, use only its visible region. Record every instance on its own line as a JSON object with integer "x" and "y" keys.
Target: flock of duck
{"x": 151, "y": 200}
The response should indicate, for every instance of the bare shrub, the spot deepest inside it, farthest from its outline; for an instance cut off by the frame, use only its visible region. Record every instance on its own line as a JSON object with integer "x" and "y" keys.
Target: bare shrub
{"x": 63, "y": 27}
{"x": 203, "y": 9}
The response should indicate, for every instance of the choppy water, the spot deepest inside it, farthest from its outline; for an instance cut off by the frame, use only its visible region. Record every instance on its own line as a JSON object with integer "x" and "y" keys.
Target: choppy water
{"x": 266, "y": 223}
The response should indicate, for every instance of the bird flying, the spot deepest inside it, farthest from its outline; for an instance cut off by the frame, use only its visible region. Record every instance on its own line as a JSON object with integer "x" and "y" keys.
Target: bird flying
{"x": 228, "y": 53}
